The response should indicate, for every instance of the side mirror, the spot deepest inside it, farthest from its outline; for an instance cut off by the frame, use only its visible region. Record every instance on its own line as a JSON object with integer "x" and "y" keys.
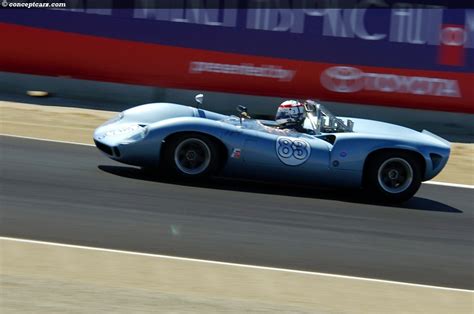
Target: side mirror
{"x": 241, "y": 109}
{"x": 242, "y": 113}
{"x": 199, "y": 99}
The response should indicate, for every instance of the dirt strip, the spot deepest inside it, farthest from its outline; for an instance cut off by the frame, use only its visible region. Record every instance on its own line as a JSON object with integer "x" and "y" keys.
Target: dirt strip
{"x": 50, "y": 122}
{"x": 77, "y": 125}
{"x": 43, "y": 278}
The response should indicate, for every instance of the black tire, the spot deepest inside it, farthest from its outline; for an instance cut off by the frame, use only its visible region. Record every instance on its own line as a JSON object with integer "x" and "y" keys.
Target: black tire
{"x": 191, "y": 155}
{"x": 393, "y": 176}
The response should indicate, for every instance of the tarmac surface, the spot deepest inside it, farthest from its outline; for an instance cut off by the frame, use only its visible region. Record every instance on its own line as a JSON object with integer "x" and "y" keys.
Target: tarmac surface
{"x": 72, "y": 194}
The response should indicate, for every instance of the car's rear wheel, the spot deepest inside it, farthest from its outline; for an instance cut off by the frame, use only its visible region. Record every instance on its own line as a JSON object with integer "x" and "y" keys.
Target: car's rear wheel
{"x": 393, "y": 176}
{"x": 192, "y": 156}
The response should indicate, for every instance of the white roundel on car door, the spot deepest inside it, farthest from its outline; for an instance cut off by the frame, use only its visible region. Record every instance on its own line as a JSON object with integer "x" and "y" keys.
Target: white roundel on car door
{"x": 291, "y": 151}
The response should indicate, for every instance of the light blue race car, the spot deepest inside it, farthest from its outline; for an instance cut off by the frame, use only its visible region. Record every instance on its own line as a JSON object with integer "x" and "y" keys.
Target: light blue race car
{"x": 388, "y": 160}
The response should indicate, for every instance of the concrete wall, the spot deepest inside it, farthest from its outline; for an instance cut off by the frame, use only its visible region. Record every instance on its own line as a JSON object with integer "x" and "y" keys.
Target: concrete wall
{"x": 116, "y": 97}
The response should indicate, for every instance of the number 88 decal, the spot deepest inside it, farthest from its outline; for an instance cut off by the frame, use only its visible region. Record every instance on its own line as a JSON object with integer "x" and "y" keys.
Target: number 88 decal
{"x": 292, "y": 152}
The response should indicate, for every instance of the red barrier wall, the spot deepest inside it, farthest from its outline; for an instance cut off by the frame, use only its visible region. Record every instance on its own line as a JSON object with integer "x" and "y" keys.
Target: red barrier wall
{"x": 55, "y": 53}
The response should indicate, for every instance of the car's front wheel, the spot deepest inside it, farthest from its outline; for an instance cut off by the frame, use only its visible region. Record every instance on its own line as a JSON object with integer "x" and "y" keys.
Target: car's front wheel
{"x": 393, "y": 176}
{"x": 191, "y": 156}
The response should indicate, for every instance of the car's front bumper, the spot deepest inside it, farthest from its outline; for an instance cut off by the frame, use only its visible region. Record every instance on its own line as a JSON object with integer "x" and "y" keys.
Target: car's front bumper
{"x": 124, "y": 142}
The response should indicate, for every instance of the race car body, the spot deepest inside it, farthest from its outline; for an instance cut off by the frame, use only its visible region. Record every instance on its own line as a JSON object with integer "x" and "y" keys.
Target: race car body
{"x": 190, "y": 142}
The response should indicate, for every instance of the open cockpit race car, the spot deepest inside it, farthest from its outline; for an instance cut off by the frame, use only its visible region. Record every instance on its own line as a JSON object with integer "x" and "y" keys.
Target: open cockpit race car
{"x": 321, "y": 149}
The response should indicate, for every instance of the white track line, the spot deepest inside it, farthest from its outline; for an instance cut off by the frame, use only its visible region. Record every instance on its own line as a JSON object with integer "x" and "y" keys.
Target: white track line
{"x": 230, "y": 264}
{"x": 45, "y": 139}
{"x": 455, "y": 185}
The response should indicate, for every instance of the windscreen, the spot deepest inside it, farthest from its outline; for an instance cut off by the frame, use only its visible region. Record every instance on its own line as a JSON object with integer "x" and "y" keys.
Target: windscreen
{"x": 323, "y": 121}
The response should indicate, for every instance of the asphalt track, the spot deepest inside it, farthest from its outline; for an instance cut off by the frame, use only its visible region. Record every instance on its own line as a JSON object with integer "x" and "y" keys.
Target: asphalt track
{"x": 73, "y": 194}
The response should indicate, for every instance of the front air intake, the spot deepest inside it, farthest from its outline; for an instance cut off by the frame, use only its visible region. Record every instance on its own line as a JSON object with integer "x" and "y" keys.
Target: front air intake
{"x": 106, "y": 149}
{"x": 116, "y": 152}
{"x": 435, "y": 160}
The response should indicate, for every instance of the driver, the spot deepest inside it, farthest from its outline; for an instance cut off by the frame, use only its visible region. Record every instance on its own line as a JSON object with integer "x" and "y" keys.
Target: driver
{"x": 291, "y": 115}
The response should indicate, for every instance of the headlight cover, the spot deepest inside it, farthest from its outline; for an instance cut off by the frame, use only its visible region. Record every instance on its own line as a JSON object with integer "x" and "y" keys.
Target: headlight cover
{"x": 137, "y": 136}
{"x": 114, "y": 119}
